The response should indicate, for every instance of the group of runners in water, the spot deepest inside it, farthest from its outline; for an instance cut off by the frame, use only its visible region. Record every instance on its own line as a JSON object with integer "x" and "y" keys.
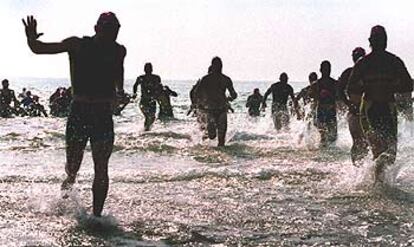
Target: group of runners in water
{"x": 367, "y": 91}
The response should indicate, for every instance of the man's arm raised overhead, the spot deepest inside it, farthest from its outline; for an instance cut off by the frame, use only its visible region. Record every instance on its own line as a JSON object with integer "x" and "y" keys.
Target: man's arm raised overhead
{"x": 40, "y": 47}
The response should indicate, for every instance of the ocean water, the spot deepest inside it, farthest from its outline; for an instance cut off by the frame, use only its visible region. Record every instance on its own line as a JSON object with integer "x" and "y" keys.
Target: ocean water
{"x": 170, "y": 188}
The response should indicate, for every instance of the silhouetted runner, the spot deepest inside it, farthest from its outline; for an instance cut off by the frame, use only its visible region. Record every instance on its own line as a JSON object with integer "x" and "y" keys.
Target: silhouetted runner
{"x": 7, "y": 96}
{"x": 360, "y": 144}
{"x": 280, "y": 93}
{"x": 378, "y": 76}
{"x": 210, "y": 96}
{"x": 164, "y": 101}
{"x": 305, "y": 95}
{"x": 253, "y": 103}
{"x": 324, "y": 92}
{"x": 305, "y": 92}
{"x": 151, "y": 88}
{"x": 97, "y": 74}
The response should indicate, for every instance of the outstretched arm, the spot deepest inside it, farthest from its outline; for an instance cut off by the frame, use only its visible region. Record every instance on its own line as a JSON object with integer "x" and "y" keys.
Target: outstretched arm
{"x": 406, "y": 83}
{"x": 341, "y": 86}
{"x": 39, "y": 47}
{"x": 135, "y": 88}
{"x": 171, "y": 92}
{"x": 233, "y": 94}
{"x": 265, "y": 97}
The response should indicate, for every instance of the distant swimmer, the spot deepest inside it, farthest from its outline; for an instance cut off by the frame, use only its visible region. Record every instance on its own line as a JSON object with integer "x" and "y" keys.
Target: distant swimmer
{"x": 324, "y": 93}
{"x": 22, "y": 94}
{"x": 7, "y": 97}
{"x": 151, "y": 88}
{"x": 35, "y": 109}
{"x": 280, "y": 92}
{"x": 212, "y": 102}
{"x": 28, "y": 100}
{"x": 253, "y": 103}
{"x": 97, "y": 75}
{"x": 164, "y": 101}
{"x": 378, "y": 77}
{"x": 353, "y": 100}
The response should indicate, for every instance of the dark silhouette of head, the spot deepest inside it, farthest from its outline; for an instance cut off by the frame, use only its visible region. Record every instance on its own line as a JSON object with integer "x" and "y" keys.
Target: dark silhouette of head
{"x": 107, "y": 27}
{"x": 148, "y": 68}
{"x": 312, "y": 77}
{"x": 325, "y": 68}
{"x": 216, "y": 65}
{"x": 378, "y": 38}
{"x": 283, "y": 78}
{"x": 28, "y": 94}
{"x": 5, "y": 83}
{"x": 256, "y": 91}
{"x": 357, "y": 54}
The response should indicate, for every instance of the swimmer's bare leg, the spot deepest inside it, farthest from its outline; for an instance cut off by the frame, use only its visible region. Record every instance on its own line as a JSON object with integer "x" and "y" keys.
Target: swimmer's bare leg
{"x": 222, "y": 129}
{"x": 74, "y": 156}
{"x": 101, "y": 152}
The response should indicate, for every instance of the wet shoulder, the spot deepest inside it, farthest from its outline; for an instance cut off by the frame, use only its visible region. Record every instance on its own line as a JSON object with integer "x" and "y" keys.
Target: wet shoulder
{"x": 394, "y": 59}
{"x": 72, "y": 43}
{"x": 346, "y": 73}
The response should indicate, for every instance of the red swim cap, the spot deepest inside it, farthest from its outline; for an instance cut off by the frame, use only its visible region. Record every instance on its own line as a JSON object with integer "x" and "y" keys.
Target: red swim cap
{"x": 108, "y": 18}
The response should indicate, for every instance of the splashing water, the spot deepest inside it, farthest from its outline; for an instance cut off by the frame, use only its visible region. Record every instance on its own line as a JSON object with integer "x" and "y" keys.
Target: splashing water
{"x": 170, "y": 188}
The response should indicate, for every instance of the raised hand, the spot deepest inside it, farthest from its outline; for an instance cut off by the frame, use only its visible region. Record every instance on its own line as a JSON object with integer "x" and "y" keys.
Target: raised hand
{"x": 30, "y": 25}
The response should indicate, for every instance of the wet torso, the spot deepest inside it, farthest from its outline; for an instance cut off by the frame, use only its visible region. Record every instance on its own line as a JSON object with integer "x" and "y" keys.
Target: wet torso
{"x": 380, "y": 74}
{"x": 211, "y": 91}
{"x": 325, "y": 91}
{"x": 150, "y": 87}
{"x": 280, "y": 93}
{"x": 253, "y": 103}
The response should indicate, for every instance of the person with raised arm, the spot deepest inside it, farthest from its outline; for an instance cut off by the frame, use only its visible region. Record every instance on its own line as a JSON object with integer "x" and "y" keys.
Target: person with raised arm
{"x": 97, "y": 76}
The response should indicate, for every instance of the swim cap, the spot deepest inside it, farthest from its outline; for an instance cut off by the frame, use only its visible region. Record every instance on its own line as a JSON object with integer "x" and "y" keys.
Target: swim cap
{"x": 108, "y": 18}
{"x": 378, "y": 32}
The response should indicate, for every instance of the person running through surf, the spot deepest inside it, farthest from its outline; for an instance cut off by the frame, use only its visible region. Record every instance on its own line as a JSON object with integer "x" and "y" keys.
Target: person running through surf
{"x": 7, "y": 97}
{"x": 164, "y": 101}
{"x": 378, "y": 77}
{"x": 324, "y": 93}
{"x": 280, "y": 93}
{"x": 97, "y": 75}
{"x": 253, "y": 103}
{"x": 352, "y": 100}
{"x": 151, "y": 88}
{"x": 212, "y": 101}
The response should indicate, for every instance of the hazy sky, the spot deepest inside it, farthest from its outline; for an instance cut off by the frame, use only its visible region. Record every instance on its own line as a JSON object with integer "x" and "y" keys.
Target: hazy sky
{"x": 257, "y": 39}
